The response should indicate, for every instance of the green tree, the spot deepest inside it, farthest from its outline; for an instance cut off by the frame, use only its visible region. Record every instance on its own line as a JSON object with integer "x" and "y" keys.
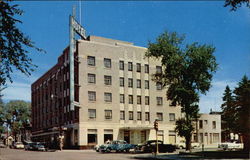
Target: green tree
{"x": 187, "y": 72}
{"x": 1, "y": 116}
{"x": 17, "y": 114}
{"x": 242, "y": 100}
{"x": 14, "y": 44}
{"x": 229, "y": 112}
{"x": 234, "y": 4}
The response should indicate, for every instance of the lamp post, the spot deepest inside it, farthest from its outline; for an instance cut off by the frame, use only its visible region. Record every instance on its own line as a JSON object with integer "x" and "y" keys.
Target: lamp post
{"x": 156, "y": 131}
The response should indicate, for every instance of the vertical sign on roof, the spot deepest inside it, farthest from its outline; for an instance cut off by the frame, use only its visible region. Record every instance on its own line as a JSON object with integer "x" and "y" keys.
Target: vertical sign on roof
{"x": 74, "y": 27}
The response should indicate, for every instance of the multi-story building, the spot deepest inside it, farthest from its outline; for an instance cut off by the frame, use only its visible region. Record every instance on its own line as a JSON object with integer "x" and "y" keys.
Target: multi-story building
{"x": 116, "y": 98}
{"x": 209, "y": 129}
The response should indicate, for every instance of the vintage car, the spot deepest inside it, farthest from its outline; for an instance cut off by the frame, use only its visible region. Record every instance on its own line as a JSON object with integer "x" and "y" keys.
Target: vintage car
{"x": 18, "y": 145}
{"x": 182, "y": 145}
{"x": 117, "y": 146}
{"x": 150, "y": 146}
{"x": 231, "y": 145}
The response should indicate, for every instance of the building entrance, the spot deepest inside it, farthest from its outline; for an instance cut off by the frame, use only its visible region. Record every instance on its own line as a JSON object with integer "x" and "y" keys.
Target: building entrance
{"x": 127, "y": 136}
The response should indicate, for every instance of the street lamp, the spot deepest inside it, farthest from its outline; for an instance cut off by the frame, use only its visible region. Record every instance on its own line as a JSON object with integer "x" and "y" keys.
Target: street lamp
{"x": 156, "y": 131}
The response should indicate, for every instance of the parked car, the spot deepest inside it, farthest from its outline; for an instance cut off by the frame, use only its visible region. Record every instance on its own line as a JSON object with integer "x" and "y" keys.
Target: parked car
{"x": 18, "y": 145}
{"x": 35, "y": 146}
{"x": 182, "y": 145}
{"x": 150, "y": 146}
{"x": 2, "y": 145}
{"x": 231, "y": 145}
{"x": 117, "y": 146}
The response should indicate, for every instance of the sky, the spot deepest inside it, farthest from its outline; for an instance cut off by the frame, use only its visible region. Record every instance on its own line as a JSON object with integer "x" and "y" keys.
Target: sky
{"x": 47, "y": 24}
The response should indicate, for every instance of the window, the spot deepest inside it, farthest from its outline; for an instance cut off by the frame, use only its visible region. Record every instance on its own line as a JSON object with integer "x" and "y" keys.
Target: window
{"x": 122, "y": 115}
{"x": 121, "y": 82}
{"x": 107, "y": 97}
{"x": 91, "y": 60}
{"x": 130, "y": 99}
{"x": 107, "y": 63}
{"x": 131, "y": 116}
{"x": 138, "y": 67}
{"x": 107, "y": 80}
{"x": 130, "y": 66}
{"x": 91, "y": 78}
{"x": 147, "y": 118}
{"x": 158, "y": 85}
{"x": 146, "y": 68}
{"x": 121, "y": 65}
{"x": 200, "y": 124}
{"x": 146, "y": 100}
{"x": 108, "y": 114}
{"x": 138, "y": 83}
{"x": 159, "y": 101}
{"x": 171, "y": 117}
{"x": 214, "y": 124}
{"x": 159, "y": 116}
{"x": 122, "y": 98}
{"x": 139, "y": 116}
{"x": 130, "y": 82}
{"x": 92, "y": 96}
{"x": 158, "y": 69}
{"x": 138, "y": 99}
{"x": 146, "y": 84}
{"x": 92, "y": 113}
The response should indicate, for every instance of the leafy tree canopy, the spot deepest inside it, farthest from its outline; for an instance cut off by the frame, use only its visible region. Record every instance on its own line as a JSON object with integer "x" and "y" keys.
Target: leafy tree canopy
{"x": 234, "y": 4}
{"x": 187, "y": 72}
{"x": 14, "y": 44}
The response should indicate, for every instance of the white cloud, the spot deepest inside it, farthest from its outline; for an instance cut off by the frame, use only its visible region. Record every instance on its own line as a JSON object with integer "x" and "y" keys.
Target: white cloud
{"x": 213, "y": 99}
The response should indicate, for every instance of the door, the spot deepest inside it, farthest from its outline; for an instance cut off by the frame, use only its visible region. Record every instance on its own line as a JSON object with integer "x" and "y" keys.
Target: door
{"x": 127, "y": 136}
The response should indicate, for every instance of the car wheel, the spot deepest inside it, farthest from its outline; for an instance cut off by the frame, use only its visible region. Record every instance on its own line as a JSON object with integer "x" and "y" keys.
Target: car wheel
{"x": 108, "y": 150}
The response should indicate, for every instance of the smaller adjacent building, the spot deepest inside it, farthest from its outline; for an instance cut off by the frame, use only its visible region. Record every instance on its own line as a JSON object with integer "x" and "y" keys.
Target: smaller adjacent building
{"x": 209, "y": 129}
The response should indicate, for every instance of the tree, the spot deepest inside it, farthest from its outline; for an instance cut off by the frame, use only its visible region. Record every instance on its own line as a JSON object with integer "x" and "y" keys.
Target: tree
{"x": 1, "y": 116}
{"x": 242, "y": 100}
{"x": 234, "y": 4}
{"x": 14, "y": 44}
{"x": 187, "y": 72}
{"x": 229, "y": 112}
{"x": 17, "y": 114}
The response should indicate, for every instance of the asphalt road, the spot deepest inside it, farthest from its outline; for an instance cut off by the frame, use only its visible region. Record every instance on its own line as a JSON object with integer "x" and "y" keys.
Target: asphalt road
{"x": 15, "y": 154}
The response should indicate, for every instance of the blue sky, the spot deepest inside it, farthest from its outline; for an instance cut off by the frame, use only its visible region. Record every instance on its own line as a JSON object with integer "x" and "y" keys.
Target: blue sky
{"x": 47, "y": 24}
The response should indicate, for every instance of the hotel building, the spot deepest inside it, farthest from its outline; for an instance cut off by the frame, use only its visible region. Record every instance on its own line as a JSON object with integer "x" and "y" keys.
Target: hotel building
{"x": 115, "y": 97}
